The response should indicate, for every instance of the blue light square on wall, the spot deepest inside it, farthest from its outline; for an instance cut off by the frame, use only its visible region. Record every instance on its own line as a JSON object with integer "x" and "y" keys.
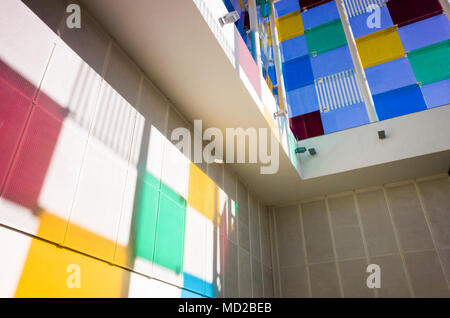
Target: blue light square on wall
{"x": 399, "y": 102}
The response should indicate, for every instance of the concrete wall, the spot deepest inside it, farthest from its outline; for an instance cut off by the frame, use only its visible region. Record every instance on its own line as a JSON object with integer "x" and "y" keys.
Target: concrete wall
{"x": 89, "y": 166}
{"x": 324, "y": 245}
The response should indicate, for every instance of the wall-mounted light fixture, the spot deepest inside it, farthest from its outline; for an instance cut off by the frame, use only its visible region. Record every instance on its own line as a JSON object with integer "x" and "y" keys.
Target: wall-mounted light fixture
{"x": 229, "y": 18}
{"x": 280, "y": 113}
{"x": 312, "y": 151}
{"x": 300, "y": 150}
{"x": 381, "y": 134}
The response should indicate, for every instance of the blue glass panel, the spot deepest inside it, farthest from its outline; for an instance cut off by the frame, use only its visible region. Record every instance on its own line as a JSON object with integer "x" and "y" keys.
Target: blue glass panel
{"x": 293, "y": 48}
{"x": 297, "y": 73}
{"x": 272, "y": 74}
{"x": 391, "y": 75}
{"x": 424, "y": 33}
{"x": 437, "y": 94}
{"x": 302, "y": 100}
{"x": 331, "y": 62}
{"x": 360, "y": 27}
{"x": 399, "y": 102}
{"x": 344, "y": 118}
{"x": 286, "y": 6}
{"x": 319, "y": 15}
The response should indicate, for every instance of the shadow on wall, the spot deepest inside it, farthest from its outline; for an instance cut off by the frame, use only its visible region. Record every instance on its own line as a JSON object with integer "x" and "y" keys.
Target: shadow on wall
{"x": 87, "y": 165}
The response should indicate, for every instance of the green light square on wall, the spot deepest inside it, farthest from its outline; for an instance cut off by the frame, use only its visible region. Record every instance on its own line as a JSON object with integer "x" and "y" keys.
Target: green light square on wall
{"x": 147, "y": 216}
{"x": 161, "y": 214}
{"x": 170, "y": 230}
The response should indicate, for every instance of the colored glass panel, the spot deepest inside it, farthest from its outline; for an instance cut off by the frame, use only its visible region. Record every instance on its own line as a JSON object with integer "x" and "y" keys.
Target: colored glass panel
{"x": 308, "y": 4}
{"x": 302, "y": 100}
{"x": 425, "y": 33}
{"x": 431, "y": 63}
{"x": 307, "y": 125}
{"x": 404, "y": 12}
{"x": 380, "y": 47}
{"x": 319, "y": 15}
{"x": 325, "y": 37}
{"x": 437, "y": 94}
{"x": 293, "y": 48}
{"x": 332, "y": 62}
{"x": 399, "y": 102}
{"x": 289, "y": 26}
{"x": 344, "y": 118}
{"x": 360, "y": 26}
{"x": 390, "y": 75}
{"x": 297, "y": 73}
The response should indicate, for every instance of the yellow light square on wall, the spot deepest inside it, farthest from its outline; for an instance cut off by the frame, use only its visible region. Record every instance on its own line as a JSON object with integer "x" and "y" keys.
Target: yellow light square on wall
{"x": 203, "y": 193}
{"x": 380, "y": 47}
{"x": 289, "y": 26}
{"x": 51, "y": 271}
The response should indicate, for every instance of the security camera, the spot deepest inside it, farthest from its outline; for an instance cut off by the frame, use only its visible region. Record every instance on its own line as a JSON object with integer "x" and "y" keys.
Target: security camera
{"x": 229, "y": 18}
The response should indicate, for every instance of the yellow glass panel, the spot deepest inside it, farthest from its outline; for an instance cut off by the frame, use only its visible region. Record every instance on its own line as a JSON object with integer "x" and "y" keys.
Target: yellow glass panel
{"x": 380, "y": 47}
{"x": 51, "y": 271}
{"x": 289, "y": 26}
{"x": 203, "y": 194}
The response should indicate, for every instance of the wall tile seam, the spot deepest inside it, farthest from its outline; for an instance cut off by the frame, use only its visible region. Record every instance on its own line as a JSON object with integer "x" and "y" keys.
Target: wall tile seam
{"x": 305, "y": 254}
{"x": 130, "y": 152}
{"x": 250, "y": 242}
{"x": 333, "y": 244}
{"x": 433, "y": 238}
{"x": 260, "y": 248}
{"x": 360, "y": 190}
{"x": 236, "y": 181}
{"x": 126, "y": 269}
{"x": 275, "y": 256}
{"x": 399, "y": 245}
{"x": 363, "y": 236}
{"x": 89, "y": 134}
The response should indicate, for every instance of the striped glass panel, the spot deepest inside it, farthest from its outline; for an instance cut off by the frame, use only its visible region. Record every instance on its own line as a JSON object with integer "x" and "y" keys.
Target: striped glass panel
{"x": 358, "y": 7}
{"x": 337, "y": 91}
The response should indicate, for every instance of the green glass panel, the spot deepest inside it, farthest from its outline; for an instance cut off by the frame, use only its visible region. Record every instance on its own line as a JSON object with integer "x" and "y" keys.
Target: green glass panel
{"x": 147, "y": 213}
{"x": 325, "y": 37}
{"x": 170, "y": 233}
{"x": 432, "y": 63}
